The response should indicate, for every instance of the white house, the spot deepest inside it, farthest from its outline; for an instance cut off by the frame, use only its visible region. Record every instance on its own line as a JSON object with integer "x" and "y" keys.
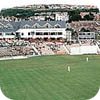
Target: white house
{"x": 62, "y": 16}
{"x": 45, "y": 33}
{"x": 34, "y": 29}
{"x": 44, "y": 29}
{"x": 86, "y": 35}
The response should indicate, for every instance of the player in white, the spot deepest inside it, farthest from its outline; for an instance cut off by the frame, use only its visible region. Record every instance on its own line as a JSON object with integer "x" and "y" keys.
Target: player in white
{"x": 68, "y": 68}
{"x": 87, "y": 59}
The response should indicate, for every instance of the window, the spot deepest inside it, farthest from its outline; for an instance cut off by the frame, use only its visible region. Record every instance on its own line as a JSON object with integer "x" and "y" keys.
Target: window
{"x": 27, "y": 26}
{"x": 59, "y": 33}
{"x": 29, "y": 33}
{"x": 12, "y": 33}
{"x": 45, "y": 33}
{"x": 53, "y": 33}
{"x": 32, "y": 33}
{"x": 83, "y": 33}
{"x": 57, "y": 26}
{"x": 22, "y": 33}
{"x": 9, "y": 33}
{"x": 38, "y": 33}
{"x": 80, "y": 34}
{"x": 88, "y": 33}
{"x": 36, "y": 25}
{"x": 0, "y": 33}
{"x": 47, "y": 25}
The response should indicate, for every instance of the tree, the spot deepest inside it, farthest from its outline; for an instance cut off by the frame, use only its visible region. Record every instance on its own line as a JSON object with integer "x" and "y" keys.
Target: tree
{"x": 89, "y": 16}
{"x": 96, "y": 10}
{"x": 21, "y": 13}
{"x": 75, "y": 17}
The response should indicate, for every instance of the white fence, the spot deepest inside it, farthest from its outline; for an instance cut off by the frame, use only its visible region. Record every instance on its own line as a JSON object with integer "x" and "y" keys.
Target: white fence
{"x": 84, "y": 50}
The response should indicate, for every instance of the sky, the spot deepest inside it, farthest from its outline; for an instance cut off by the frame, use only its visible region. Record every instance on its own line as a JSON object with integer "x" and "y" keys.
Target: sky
{"x": 13, "y": 3}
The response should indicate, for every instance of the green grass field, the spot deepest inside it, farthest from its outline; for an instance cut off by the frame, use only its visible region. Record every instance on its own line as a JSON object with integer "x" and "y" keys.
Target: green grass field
{"x": 47, "y": 78}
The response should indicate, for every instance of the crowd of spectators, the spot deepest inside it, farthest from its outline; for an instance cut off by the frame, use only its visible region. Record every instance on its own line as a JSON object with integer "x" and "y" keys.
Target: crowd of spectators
{"x": 15, "y": 48}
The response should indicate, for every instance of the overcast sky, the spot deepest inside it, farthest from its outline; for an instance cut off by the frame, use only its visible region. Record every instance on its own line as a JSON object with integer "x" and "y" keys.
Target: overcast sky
{"x": 12, "y": 3}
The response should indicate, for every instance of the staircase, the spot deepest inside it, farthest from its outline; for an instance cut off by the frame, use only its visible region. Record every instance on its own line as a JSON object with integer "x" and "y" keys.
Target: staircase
{"x": 36, "y": 51}
{"x": 67, "y": 48}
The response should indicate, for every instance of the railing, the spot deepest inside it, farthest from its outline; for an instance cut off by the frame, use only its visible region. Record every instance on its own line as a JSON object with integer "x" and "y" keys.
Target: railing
{"x": 67, "y": 49}
{"x": 36, "y": 50}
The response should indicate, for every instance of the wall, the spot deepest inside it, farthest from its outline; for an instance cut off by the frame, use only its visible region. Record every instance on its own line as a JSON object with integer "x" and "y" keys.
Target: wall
{"x": 84, "y": 50}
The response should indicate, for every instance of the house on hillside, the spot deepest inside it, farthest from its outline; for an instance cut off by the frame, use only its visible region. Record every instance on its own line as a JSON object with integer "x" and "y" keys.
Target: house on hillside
{"x": 62, "y": 16}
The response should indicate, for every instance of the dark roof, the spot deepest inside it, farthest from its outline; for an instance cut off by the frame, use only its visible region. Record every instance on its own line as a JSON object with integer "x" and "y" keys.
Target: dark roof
{"x": 13, "y": 26}
{"x": 42, "y": 23}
